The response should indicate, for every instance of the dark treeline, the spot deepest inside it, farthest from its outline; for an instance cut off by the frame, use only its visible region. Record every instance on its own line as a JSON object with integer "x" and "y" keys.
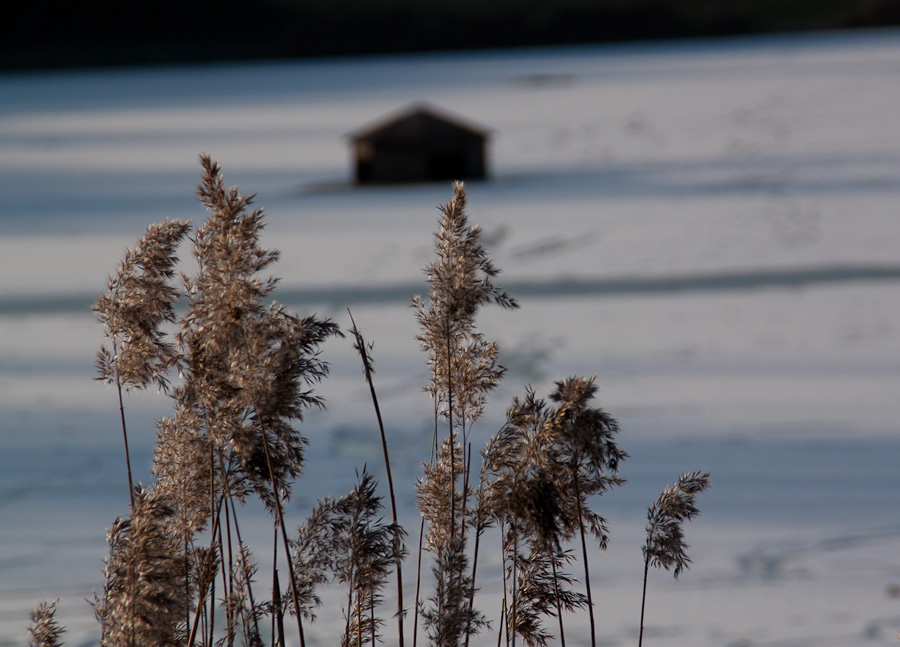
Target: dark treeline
{"x": 61, "y": 33}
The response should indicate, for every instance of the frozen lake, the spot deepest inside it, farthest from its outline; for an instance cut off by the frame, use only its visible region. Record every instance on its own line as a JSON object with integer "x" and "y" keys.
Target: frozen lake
{"x": 709, "y": 227}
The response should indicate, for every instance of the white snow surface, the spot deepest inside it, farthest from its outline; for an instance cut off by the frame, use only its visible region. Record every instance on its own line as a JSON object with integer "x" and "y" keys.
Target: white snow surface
{"x": 710, "y": 227}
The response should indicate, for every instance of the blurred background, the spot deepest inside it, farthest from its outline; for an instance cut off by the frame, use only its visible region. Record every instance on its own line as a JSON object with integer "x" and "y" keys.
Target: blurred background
{"x": 709, "y": 225}
{"x": 59, "y": 33}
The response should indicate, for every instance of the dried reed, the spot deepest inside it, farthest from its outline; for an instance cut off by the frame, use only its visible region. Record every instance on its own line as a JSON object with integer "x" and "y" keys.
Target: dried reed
{"x": 586, "y": 446}
{"x": 464, "y": 368}
{"x": 247, "y": 369}
{"x": 246, "y": 372}
{"x": 139, "y": 301}
{"x": 364, "y": 351}
{"x": 144, "y": 595}
{"x": 665, "y": 546}
{"x": 45, "y": 630}
{"x": 524, "y": 494}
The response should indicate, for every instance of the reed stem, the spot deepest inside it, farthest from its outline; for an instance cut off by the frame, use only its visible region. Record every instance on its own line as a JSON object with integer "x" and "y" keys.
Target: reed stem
{"x": 644, "y": 599}
{"x": 584, "y": 555}
{"x": 368, "y": 371}
{"x": 125, "y": 440}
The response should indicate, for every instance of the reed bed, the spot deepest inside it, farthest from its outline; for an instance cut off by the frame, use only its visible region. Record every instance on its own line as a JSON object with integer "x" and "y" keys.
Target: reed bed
{"x": 240, "y": 373}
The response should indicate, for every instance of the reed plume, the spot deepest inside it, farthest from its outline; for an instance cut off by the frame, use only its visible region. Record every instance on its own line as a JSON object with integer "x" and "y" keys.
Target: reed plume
{"x": 464, "y": 368}
{"x": 434, "y": 490}
{"x": 365, "y": 552}
{"x": 44, "y": 629}
{"x": 346, "y": 540}
{"x": 139, "y": 300}
{"x": 665, "y": 546}
{"x": 464, "y": 365}
{"x": 144, "y": 602}
{"x": 521, "y": 491}
{"x": 545, "y": 463}
{"x": 542, "y": 589}
{"x": 248, "y": 367}
{"x": 588, "y": 459}
{"x": 524, "y": 495}
{"x": 183, "y": 471}
{"x": 314, "y": 554}
{"x": 449, "y": 616}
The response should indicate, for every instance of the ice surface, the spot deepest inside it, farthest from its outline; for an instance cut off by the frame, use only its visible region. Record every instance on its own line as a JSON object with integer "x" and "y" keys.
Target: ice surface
{"x": 710, "y": 227}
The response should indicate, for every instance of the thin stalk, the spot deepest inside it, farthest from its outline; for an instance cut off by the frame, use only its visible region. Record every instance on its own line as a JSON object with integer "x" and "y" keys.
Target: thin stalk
{"x": 434, "y": 442}
{"x": 212, "y": 605}
{"x": 284, "y": 538}
{"x": 205, "y": 637}
{"x": 467, "y": 457}
{"x": 478, "y": 531}
{"x": 367, "y": 368}
{"x": 359, "y": 601}
{"x": 227, "y": 578}
{"x": 131, "y": 582}
{"x": 201, "y": 597}
{"x": 359, "y": 611}
{"x": 587, "y": 572}
{"x": 125, "y": 441}
{"x": 472, "y": 588}
{"x": 349, "y": 606}
{"x": 228, "y": 582}
{"x": 187, "y": 585}
{"x": 515, "y": 583}
{"x": 276, "y": 603}
{"x": 466, "y": 460}
{"x": 237, "y": 532}
{"x": 452, "y": 439}
{"x": 212, "y": 546}
{"x": 132, "y": 585}
{"x": 559, "y": 610}
{"x": 503, "y": 621}
{"x": 644, "y": 598}
{"x": 418, "y": 582}
{"x": 277, "y": 611}
{"x": 372, "y": 616}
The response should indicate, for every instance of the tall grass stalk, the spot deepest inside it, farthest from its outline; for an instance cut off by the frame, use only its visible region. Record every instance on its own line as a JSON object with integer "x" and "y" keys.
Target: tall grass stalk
{"x": 364, "y": 351}
{"x": 587, "y": 458}
{"x": 526, "y": 496}
{"x": 139, "y": 300}
{"x": 464, "y": 367}
{"x": 366, "y": 550}
{"x": 246, "y": 370}
{"x": 665, "y": 546}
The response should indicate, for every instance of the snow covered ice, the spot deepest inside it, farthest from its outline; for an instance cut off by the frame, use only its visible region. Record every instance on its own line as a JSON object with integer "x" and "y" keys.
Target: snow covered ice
{"x": 710, "y": 227}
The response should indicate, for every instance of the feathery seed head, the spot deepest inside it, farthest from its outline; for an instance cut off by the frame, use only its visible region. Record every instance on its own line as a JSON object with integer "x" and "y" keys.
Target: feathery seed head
{"x": 248, "y": 366}
{"x": 464, "y": 365}
{"x": 140, "y": 299}
{"x": 665, "y": 546}
{"x": 538, "y": 592}
{"x": 45, "y": 630}
{"x": 144, "y": 594}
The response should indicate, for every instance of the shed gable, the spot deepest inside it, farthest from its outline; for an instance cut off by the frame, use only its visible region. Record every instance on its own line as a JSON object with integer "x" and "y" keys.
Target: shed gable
{"x": 419, "y": 145}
